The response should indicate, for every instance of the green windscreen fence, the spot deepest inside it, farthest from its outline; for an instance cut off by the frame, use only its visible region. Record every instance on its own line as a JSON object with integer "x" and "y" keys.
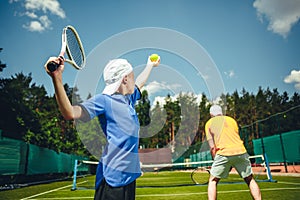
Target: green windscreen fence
{"x": 283, "y": 147}
{"x": 20, "y": 158}
{"x": 12, "y": 157}
{"x": 201, "y": 156}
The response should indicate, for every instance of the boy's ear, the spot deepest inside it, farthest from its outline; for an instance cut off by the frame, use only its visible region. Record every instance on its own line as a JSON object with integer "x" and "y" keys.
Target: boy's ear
{"x": 125, "y": 79}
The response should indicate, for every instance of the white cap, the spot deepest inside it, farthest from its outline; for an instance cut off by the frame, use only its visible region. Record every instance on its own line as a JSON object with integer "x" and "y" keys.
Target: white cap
{"x": 215, "y": 110}
{"x": 113, "y": 74}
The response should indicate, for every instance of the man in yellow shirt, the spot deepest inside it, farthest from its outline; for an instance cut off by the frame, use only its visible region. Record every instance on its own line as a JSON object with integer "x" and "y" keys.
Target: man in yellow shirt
{"x": 227, "y": 150}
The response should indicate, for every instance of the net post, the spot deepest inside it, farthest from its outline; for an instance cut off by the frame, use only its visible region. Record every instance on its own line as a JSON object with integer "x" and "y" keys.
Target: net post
{"x": 268, "y": 169}
{"x": 74, "y": 175}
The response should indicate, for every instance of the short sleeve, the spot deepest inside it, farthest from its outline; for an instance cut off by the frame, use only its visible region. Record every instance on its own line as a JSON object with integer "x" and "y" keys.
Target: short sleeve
{"x": 94, "y": 106}
{"x": 136, "y": 95}
{"x": 207, "y": 132}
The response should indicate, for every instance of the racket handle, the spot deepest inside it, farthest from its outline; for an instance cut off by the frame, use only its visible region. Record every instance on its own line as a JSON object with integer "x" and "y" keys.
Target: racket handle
{"x": 52, "y": 66}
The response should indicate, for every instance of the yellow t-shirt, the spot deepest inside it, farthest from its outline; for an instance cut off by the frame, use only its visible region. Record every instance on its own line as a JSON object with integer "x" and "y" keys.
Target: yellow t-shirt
{"x": 225, "y": 133}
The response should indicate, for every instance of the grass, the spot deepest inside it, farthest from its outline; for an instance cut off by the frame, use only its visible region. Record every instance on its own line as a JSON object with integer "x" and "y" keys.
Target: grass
{"x": 161, "y": 186}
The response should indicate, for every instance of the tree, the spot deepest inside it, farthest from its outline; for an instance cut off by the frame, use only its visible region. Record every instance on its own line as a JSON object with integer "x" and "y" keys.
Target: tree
{"x": 204, "y": 117}
{"x": 19, "y": 102}
{"x": 29, "y": 114}
{"x": 290, "y": 120}
{"x": 155, "y": 129}
{"x": 2, "y": 65}
{"x": 188, "y": 122}
{"x": 143, "y": 112}
{"x": 172, "y": 109}
{"x": 143, "y": 109}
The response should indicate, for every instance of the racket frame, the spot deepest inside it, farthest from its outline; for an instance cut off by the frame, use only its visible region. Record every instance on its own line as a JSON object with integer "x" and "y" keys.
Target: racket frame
{"x": 196, "y": 171}
{"x": 67, "y": 49}
{"x": 52, "y": 66}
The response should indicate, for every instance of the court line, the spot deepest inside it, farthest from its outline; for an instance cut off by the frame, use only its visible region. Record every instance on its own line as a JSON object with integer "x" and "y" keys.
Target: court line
{"x": 223, "y": 192}
{"x": 59, "y": 198}
{"x": 39, "y": 194}
{"x": 165, "y": 195}
{"x": 288, "y": 183}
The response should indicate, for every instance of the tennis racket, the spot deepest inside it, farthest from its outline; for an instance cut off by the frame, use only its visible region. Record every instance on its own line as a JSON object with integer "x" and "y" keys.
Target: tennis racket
{"x": 71, "y": 44}
{"x": 200, "y": 175}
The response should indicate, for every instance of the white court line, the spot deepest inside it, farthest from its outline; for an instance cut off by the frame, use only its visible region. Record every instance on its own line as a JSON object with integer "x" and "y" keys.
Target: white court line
{"x": 59, "y": 198}
{"x": 50, "y": 191}
{"x": 179, "y": 194}
{"x": 289, "y": 183}
{"x": 223, "y": 192}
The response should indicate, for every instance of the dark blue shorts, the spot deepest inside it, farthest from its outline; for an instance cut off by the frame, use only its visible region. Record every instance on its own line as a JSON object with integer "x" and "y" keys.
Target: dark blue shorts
{"x": 107, "y": 192}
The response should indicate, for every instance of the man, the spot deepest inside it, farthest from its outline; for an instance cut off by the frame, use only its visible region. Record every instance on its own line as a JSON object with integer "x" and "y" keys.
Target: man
{"x": 227, "y": 150}
{"x": 119, "y": 166}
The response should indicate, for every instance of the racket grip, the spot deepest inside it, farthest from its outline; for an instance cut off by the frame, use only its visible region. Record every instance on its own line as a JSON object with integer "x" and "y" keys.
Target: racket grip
{"x": 52, "y": 66}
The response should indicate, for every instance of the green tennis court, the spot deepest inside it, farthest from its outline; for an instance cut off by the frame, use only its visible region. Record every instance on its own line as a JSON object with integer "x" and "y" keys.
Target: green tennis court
{"x": 171, "y": 185}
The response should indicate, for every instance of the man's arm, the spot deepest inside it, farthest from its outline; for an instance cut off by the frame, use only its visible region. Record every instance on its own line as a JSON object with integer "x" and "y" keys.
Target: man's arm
{"x": 143, "y": 77}
{"x": 212, "y": 148}
{"x": 210, "y": 139}
{"x": 68, "y": 111}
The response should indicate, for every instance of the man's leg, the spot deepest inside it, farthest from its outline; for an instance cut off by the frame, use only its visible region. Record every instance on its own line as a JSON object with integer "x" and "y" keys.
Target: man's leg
{"x": 212, "y": 188}
{"x": 254, "y": 188}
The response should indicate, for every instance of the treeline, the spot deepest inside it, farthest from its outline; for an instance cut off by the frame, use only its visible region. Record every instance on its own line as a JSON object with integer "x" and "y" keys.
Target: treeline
{"x": 28, "y": 113}
{"x": 259, "y": 115}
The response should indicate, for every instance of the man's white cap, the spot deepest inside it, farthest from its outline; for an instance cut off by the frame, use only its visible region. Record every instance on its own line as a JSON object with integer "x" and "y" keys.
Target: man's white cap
{"x": 215, "y": 110}
{"x": 113, "y": 74}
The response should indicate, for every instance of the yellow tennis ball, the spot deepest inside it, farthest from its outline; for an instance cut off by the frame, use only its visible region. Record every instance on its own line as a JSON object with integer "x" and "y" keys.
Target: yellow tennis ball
{"x": 154, "y": 57}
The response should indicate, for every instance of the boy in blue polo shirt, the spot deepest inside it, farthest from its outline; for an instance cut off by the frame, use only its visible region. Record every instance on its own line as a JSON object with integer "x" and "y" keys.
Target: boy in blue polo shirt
{"x": 119, "y": 166}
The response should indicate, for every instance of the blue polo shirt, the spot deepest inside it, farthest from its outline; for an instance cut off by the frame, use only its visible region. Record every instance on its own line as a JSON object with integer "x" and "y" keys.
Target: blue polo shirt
{"x": 119, "y": 163}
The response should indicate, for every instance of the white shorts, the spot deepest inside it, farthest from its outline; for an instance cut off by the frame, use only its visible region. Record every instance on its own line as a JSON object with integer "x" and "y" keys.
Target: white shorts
{"x": 223, "y": 164}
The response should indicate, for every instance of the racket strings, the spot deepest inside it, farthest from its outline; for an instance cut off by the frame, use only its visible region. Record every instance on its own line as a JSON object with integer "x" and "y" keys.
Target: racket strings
{"x": 74, "y": 47}
{"x": 200, "y": 175}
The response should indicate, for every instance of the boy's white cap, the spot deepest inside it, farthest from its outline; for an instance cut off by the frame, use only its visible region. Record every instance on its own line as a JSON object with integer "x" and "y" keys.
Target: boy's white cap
{"x": 215, "y": 110}
{"x": 113, "y": 74}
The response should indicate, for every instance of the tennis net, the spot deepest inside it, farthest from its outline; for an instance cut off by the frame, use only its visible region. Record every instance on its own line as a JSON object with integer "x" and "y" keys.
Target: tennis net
{"x": 185, "y": 174}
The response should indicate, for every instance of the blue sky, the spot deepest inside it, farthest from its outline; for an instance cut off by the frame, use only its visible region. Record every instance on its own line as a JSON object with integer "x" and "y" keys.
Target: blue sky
{"x": 205, "y": 45}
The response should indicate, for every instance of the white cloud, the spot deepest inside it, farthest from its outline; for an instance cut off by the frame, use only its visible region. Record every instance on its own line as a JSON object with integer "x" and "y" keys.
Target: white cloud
{"x": 34, "y": 26}
{"x": 281, "y": 14}
{"x": 12, "y": 1}
{"x": 45, "y": 21}
{"x": 294, "y": 77}
{"x": 159, "y": 91}
{"x": 31, "y": 15}
{"x": 39, "y": 12}
{"x": 162, "y": 102}
{"x": 155, "y": 87}
{"x": 39, "y": 25}
{"x": 49, "y": 5}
